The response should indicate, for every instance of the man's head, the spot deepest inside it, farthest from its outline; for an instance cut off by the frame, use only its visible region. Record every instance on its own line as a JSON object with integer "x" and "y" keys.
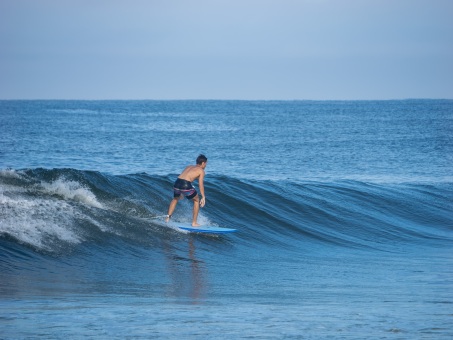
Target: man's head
{"x": 201, "y": 159}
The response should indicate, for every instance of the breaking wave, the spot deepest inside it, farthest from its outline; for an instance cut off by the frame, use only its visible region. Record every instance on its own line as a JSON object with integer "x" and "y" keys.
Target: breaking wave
{"x": 56, "y": 210}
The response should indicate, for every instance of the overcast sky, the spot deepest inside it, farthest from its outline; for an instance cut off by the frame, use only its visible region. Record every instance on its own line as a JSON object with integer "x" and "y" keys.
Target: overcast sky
{"x": 226, "y": 49}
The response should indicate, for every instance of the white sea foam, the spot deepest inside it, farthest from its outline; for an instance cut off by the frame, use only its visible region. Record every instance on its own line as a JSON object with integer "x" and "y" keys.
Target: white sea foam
{"x": 9, "y": 173}
{"x": 35, "y": 221}
{"x": 43, "y": 219}
{"x": 72, "y": 190}
{"x": 184, "y": 211}
{"x": 203, "y": 220}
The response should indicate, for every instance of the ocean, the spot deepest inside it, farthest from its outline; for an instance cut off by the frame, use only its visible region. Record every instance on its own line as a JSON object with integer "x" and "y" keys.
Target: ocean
{"x": 344, "y": 212}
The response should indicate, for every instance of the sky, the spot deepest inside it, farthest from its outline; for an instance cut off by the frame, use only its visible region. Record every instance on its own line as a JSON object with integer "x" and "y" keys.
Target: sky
{"x": 226, "y": 49}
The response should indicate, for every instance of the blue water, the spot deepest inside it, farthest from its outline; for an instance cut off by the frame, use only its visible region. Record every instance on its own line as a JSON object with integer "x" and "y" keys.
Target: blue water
{"x": 343, "y": 210}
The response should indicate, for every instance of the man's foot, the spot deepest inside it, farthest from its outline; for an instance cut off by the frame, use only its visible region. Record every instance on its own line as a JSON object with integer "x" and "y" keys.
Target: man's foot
{"x": 196, "y": 225}
{"x": 168, "y": 218}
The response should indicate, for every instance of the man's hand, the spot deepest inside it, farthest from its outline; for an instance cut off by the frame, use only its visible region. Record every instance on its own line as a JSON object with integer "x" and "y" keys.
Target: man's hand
{"x": 203, "y": 202}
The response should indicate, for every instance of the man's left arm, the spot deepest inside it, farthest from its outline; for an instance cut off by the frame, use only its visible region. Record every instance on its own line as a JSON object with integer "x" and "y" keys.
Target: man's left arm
{"x": 201, "y": 185}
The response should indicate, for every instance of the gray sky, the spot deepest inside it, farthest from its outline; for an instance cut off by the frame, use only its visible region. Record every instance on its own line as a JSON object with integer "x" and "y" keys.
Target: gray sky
{"x": 226, "y": 49}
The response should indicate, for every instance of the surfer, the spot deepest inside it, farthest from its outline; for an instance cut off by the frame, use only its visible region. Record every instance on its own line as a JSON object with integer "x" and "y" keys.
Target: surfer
{"x": 183, "y": 188}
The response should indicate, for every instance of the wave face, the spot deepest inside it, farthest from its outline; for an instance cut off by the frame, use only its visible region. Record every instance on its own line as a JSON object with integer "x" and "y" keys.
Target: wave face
{"x": 56, "y": 211}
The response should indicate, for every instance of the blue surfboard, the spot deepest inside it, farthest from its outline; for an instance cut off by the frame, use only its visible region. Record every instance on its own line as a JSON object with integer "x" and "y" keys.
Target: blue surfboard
{"x": 206, "y": 229}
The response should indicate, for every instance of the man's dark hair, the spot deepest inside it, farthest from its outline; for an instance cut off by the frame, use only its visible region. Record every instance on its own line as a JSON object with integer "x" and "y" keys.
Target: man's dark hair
{"x": 201, "y": 159}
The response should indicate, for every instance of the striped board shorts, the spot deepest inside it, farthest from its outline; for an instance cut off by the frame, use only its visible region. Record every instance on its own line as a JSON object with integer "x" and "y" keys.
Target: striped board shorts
{"x": 185, "y": 188}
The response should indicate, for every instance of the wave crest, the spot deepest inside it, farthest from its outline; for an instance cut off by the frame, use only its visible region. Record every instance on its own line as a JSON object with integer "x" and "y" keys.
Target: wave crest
{"x": 49, "y": 209}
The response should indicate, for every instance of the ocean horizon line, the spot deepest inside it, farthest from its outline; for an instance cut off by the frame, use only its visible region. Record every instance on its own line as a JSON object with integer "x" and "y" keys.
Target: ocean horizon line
{"x": 225, "y": 100}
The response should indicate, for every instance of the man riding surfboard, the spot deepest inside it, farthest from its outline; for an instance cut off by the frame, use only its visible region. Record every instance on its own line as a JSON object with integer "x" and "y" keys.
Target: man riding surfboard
{"x": 183, "y": 188}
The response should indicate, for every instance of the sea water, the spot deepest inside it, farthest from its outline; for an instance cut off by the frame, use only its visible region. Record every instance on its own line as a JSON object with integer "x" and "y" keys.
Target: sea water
{"x": 343, "y": 209}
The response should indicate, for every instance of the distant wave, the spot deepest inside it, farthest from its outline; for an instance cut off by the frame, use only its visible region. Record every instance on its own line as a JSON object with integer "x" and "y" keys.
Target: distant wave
{"x": 55, "y": 210}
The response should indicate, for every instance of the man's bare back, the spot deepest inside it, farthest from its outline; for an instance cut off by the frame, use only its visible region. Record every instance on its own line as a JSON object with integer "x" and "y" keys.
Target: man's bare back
{"x": 191, "y": 173}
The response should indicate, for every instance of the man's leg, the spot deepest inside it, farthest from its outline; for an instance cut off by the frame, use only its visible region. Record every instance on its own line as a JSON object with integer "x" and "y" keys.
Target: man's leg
{"x": 196, "y": 208}
{"x": 171, "y": 208}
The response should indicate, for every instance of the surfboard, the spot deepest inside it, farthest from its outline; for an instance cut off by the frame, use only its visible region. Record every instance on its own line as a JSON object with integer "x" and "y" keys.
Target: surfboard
{"x": 206, "y": 229}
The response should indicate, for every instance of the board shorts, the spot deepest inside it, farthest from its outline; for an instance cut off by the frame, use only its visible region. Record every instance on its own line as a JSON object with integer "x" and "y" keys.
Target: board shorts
{"x": 183, "y": 187}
